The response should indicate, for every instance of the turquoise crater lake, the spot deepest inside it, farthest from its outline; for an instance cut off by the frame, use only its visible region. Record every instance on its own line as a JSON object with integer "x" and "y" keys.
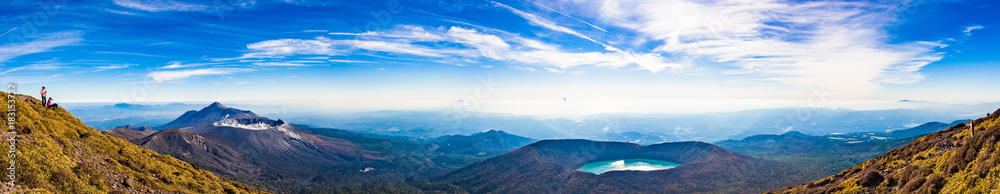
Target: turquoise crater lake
{"x": 638, "y": 164}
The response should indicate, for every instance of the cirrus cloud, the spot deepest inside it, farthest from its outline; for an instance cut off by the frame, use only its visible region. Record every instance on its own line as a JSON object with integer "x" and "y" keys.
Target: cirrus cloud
{"x": 162, "y": 5}
{"x": 45, "y": 43}
{"x": 842, "y": 45}
{"x": 440, "y": 43}
{"x": 163, "y": 76}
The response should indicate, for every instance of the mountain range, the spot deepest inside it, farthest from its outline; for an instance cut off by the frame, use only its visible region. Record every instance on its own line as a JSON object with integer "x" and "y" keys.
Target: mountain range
{"x": 644, "y": 129}
{"x": 282, "y": 157}
{"x": 277, "y": 156}
{"x": 651, "y": 128}
{"x": 54, "y": 152}
{"x": 243, "y": 146}
{"x": 829, "y": 154}
{"x": 120, "y": 114}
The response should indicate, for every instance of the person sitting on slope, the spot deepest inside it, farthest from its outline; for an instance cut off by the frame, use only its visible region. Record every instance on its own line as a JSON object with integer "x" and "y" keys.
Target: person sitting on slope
{"x": 50, "y": 104}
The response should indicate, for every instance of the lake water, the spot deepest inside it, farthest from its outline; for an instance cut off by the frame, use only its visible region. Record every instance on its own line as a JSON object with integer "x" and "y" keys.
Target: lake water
{"x": 639, "y": 164}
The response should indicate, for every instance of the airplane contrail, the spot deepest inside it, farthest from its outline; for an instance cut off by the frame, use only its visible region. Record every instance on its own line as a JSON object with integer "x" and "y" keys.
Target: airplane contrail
{"x": 571, "y": 17}
{"x": 8, "y": 31}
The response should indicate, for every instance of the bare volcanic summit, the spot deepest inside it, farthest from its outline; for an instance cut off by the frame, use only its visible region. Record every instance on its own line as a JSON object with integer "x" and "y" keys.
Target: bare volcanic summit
{"x": 208, "y": 115}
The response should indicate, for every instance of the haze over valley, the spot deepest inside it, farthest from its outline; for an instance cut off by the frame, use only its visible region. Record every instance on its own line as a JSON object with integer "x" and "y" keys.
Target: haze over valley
{"x": 500, "y": 96}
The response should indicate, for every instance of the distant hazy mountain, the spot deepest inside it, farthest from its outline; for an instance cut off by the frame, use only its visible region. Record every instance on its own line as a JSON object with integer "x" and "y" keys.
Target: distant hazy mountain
{"x": 742, "y": 124}
{"x": 445, "y": 153}
{"x": 827, "y": 155}
{"x": 429, "y": 124}
{"x": 647, "y": 138}
{"x": 627, "y": 127}
{"x": 972, "y": 110}
{"x": 111, "y": 116}
{"x": 639, "y": 128}
{"x": 923, "y": 129}
{"x": 490, "y": 143}
{"x": 959, "y": 159}
{"x": 820, "y": 156}
{"x": 208, "y": 115}
{"x": 549, "y": 166}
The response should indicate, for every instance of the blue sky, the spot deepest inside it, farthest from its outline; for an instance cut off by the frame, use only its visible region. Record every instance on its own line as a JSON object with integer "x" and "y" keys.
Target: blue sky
{"x": 505, "y": 56}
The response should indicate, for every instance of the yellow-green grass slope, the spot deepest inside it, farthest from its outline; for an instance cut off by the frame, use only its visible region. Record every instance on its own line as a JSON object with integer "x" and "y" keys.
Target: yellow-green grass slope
{"x": 954, "y": 160}
{"x": 56, "y": 153}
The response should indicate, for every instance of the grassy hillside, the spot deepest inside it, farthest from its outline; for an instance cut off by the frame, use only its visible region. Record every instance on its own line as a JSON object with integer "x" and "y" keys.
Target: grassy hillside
{"x": 959, "y": 159}
{"x": 56, "y": 153}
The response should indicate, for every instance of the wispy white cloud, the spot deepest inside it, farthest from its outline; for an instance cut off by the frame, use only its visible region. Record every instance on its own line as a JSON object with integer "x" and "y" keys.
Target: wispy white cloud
{"x": 402, "y": 32}
{"x": 44, "y": 65}
{"x": 162, "y": 5}
{"x": 968, "y": 30}
{"x": 308, "y": 61}
{"x": 651, "y": 62}
{"x": 178, "y": 5}
{"x": 569, "y": 16}
{"x": 158, "y": 43}
{"x": 538, "y": 20}
{"x": 62, "y": 68}
{"x": 841, "y": 45}
{"x": 348, "y": 61}
{"x": 618, "y": 58}
{"x": 441, "y": 43}
{"x": 531, "y": 69}
{"x": 179, "y": 65}
{"x": 288, "y": 47}
{"x": 18, "y": 69}
{"x": 163, "y": 76}
{"x": 489, "y": 46}
{"x": 374, "y": 41}
{"x": 121, "y": 12}
{"x": 397, "y": 47}
{"x": 280, "y": 64}
{"x": 554, "y": 70}
{"x": 45, "y": 43}
{"x": 127, "y": 53}
{"x": 114, "y": 66}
